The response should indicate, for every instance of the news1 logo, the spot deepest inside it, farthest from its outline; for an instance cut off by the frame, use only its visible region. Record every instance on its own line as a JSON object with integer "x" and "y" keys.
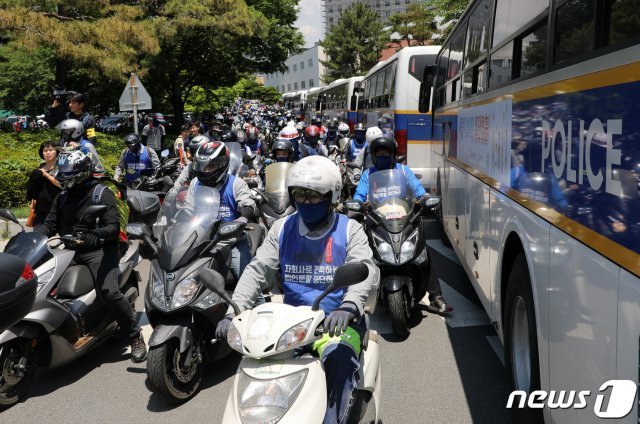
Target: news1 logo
{"x": 620, "y": 398}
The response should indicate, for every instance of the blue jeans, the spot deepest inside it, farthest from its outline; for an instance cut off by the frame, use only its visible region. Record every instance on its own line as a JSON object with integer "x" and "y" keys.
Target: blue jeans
{"x": 240, "y": 258}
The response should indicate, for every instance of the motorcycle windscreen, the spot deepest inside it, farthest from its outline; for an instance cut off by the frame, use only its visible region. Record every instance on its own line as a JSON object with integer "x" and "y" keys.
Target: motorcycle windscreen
{"x": 235, "y": 157}
{"x": 32, "y": 247}
{"x": 343, "y": 143}
{"x": 185, "y": 223}
{"x": 391, "y": 198}
{"x": 276, "y": 185}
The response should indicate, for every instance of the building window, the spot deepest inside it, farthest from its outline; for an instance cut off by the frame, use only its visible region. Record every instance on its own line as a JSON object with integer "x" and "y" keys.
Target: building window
{"x": 283, "y": 88}
{"x": 302, "y": 65}
{"x": 288, "y": 87}
{"x": 295, "y": 85}
{"x": 387, "y": 3}
{"x": 397, "y": 2}
{"x": 311, "y": 83}
{"x": 295, "y": 68}
{"x": 310, "y": 63}
{"x": 302, "y": 83}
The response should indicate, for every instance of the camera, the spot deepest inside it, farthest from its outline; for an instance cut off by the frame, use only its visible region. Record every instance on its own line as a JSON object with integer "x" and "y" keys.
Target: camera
{"x": 60, "y": 93}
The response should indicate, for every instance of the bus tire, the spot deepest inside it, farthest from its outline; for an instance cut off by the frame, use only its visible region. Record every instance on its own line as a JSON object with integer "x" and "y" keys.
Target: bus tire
{"x": 521, "y": 340}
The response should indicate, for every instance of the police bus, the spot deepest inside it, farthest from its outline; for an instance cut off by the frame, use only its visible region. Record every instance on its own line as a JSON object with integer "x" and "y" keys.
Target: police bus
{"x": 389, "y": 99}
{"x": 333, "y": 102}
{"x": 537, "y": 114}
{"x": 296, "y": 102}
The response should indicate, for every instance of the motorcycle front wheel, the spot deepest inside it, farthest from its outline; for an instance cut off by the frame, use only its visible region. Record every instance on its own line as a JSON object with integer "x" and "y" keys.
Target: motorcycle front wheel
{"x": 168, "y": 378}
{"x": 399, "y": 312}
{"x": 17, "y": 359}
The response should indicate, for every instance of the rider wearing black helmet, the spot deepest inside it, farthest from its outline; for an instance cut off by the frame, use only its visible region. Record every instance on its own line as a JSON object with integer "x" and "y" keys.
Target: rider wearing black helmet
{"x": 210, "y": 167}
{"x": 282, "y": 151}
{"x": 134, "y": 159}
{"x": 384, "y": 151}
{"x": 187, "y": 172}
{"x": 99, "y": 249}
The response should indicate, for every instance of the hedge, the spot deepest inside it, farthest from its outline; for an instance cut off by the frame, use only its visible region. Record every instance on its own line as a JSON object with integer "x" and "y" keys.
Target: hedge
{"x": 19, "y": 157}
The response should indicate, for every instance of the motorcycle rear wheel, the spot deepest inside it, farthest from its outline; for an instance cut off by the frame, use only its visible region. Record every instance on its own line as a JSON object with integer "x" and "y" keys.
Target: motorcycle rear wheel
{"x": 12, "y": 385}
{"x": 398, "y": 308}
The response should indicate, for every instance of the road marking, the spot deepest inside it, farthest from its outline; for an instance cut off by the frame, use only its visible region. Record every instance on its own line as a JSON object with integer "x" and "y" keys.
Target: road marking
{"x": 496, "y": 344}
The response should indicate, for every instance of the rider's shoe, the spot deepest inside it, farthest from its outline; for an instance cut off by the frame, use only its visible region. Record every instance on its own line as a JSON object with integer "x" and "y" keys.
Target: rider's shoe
{"x": 438, "y": 305}
{"x": 138, "y": 349}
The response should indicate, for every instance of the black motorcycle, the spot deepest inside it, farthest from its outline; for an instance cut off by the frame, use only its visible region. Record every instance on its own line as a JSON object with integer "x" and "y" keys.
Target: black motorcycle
{"x": 394, "y": 224}
{"x": 182, "y": 312}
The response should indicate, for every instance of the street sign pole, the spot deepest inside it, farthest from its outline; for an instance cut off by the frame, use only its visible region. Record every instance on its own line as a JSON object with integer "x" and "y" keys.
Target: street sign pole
{"x": 134, "y": 101}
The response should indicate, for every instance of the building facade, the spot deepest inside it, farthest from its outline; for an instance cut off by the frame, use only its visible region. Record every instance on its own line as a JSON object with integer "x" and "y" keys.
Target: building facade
{"x": 385, "y": 8}
{"x": 304, "y": 71}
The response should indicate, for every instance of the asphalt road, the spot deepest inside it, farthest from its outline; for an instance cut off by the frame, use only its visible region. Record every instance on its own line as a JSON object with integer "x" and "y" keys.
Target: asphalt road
{"x": 448, "y": 371}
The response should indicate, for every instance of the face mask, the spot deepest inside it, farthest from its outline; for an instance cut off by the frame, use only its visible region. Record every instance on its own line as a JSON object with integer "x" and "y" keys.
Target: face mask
{"x": 313, "y": 214}
{"x": 282, "y": 159}
{"x": 383, "y": 162}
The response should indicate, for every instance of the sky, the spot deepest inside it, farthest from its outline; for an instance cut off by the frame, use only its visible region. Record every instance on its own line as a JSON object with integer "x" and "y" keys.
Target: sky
{"x": 310, "y": 21}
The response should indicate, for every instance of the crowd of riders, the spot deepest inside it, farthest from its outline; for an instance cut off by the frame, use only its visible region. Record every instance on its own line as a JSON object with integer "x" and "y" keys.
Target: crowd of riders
{"x": 317, "y": 238}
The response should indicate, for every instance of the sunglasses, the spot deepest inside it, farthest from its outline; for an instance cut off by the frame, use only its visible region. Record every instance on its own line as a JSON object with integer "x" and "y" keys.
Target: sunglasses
{"x": 300, "y": 195}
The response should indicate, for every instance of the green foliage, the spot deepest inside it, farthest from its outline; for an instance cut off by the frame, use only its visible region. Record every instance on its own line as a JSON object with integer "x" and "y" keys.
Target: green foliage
{"x": 450, "y": 11}
{"x": 353, "y": 45}
{"x": 19, "y": 156}
{"x": 26, "y": 78}
{"x": 417, "y": 25}
{"x": 211, "y": 100}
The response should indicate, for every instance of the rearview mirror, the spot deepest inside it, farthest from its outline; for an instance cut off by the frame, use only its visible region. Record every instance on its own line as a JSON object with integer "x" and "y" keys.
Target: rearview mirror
{"x": 432, "y": 201}
{"x": 212, "y": 280}
{"x": 137, "y": 231}
{"x": 7, "y": 215}
{"x": 231, "y": 229}
{"x": 426, "y": 88}
{"x": 353, "y": 206}
{"x": 346, "y": 275}
{"x": 164, "y": 154}
{"x": 354, "y": 102}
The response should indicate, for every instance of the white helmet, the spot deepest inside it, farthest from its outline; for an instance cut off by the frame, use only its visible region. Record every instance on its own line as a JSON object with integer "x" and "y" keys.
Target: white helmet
{"x": 316, "y": 173}
{"x": 291, "y": 124}
{"x": 71, "y": 129}
{"x": 288, "y": 133}
{"x": 373, "y": 133}
{"x": 343, "y": 129}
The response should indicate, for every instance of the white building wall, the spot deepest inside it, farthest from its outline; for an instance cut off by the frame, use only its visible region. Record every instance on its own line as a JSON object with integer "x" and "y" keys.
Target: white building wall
{"x": 304, "y": 71}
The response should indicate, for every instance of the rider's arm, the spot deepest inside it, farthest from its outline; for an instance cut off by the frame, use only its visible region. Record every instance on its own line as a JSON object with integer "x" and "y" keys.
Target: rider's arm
{"x": 242, "y": 193}
{"x": 120, "y": 167}
{"x": 50, "y": 225}
{"x": 155, "y": 161}
{"x": 110, "y": 221}
{"x": 414, "y": 182}
{"x": 260, "y": 271}
{"x": 358, "y": 251}
{"x": 182, "y": 179}
{"x": 363, "y": 187}
{"x": 359, "y": 160}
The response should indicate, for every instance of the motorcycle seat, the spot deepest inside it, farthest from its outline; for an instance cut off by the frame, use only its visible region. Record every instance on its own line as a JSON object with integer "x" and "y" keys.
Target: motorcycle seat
{"x": 75, "y": 282}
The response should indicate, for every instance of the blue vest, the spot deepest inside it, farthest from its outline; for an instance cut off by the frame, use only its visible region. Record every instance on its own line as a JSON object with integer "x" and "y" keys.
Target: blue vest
{"x": 252, "y": 149}
{"x": 355, "y": 150}
{"x": 133, "y": 163}
{"x": 307, "y": 265}
{"x": 228, "y": 204}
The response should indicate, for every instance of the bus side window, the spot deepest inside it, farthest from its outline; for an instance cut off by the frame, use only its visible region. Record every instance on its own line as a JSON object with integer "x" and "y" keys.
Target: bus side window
{"x": 575, "y": 29}
{"x": 622, "y": 21}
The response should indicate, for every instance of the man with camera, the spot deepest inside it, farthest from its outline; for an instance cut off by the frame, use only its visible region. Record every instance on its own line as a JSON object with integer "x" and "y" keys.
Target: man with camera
{"x": 76, "y": 104}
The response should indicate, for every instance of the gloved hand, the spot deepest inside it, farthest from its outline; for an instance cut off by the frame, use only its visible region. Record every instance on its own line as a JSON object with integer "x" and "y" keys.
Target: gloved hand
{"x": 268, "y": 161}
{"x": 242, "y": 219}
{"x": 420, "y": 200}
{"x": 91, "y": 240}
{"x": 338, "y": 321}
{"x": 223, "y": 327}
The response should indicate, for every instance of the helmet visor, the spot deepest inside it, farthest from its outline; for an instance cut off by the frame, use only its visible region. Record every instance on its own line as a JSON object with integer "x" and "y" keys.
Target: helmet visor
{"x": 300, "y": 195}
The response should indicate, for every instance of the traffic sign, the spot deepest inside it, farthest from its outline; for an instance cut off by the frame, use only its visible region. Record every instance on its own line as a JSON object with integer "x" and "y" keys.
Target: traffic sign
{"x": 134, "y": 98}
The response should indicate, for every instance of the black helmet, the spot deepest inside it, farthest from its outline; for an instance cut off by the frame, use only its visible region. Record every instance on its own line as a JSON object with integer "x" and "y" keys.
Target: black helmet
{"x": 196, "y": 142}
{"x": 211, "y": 163}
{"x": 228, "y": 136}
{"x": 384, "y": 143}
{"x": 133, "y": 142}
{"x": 74, "y": 168}
{"x": 360, "y": 132}
{"x": 284, "y": 145}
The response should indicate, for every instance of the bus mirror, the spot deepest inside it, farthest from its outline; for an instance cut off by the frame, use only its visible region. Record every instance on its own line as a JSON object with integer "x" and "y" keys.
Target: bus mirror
{"x": 318, "y": 104}
{"x": 424, "y": 101}
{"x": 354, "y": 102}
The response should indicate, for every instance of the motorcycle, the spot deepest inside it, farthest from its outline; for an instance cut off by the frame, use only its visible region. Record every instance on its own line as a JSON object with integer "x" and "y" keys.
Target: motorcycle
{"x": 394, "y": 226}
{"x": 274, "y": 382}
{"x": 182, "y": 312}
{"x": 67, "y": 319}
{"x": 161, "y": 180}
{"x": 273, "y": 201}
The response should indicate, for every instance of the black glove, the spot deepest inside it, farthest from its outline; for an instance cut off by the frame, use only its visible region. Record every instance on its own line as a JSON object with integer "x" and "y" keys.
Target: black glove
{"x": 91, "y": 240}
{"x": 420, "y": 200}
{"x": 223, "y": 328}
{"x": 338, "y": 321}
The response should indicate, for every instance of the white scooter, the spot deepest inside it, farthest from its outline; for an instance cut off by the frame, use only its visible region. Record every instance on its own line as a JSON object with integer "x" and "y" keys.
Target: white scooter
{"x": 272, "y": 383}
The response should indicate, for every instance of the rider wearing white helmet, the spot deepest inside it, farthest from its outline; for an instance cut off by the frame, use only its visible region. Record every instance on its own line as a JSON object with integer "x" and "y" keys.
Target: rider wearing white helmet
{"x": 305, "y": 249}
{"x": 291, "y": 133}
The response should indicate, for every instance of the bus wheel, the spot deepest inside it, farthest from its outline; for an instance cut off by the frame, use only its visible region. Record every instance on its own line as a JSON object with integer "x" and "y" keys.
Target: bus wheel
{"x": 521, "y": 340}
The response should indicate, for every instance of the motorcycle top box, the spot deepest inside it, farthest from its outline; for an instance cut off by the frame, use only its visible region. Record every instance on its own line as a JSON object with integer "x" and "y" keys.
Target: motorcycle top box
{"x": 18, "y": 284}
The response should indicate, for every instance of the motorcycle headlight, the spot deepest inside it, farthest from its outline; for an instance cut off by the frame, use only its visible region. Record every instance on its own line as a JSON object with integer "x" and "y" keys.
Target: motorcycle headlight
{"x": 384, "y": 249}
{"x": 45, "y": 277}
{"x": 294, "y": 336}
{"x": 233, "y": 338}
{"x": 208, "y": 301}
{"x": 157, "y": 292}
{"x": 184, "y": 292}
{"x": 266, "y": 401}
{"x": 408, "y": 248}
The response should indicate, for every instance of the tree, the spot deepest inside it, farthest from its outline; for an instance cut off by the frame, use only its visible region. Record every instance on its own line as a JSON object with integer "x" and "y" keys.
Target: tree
{"x": 354, "y": 44}
{"x": 247, "y": 88}
{"x": 450, "y": 11}
{"x": 417, "y": 25}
